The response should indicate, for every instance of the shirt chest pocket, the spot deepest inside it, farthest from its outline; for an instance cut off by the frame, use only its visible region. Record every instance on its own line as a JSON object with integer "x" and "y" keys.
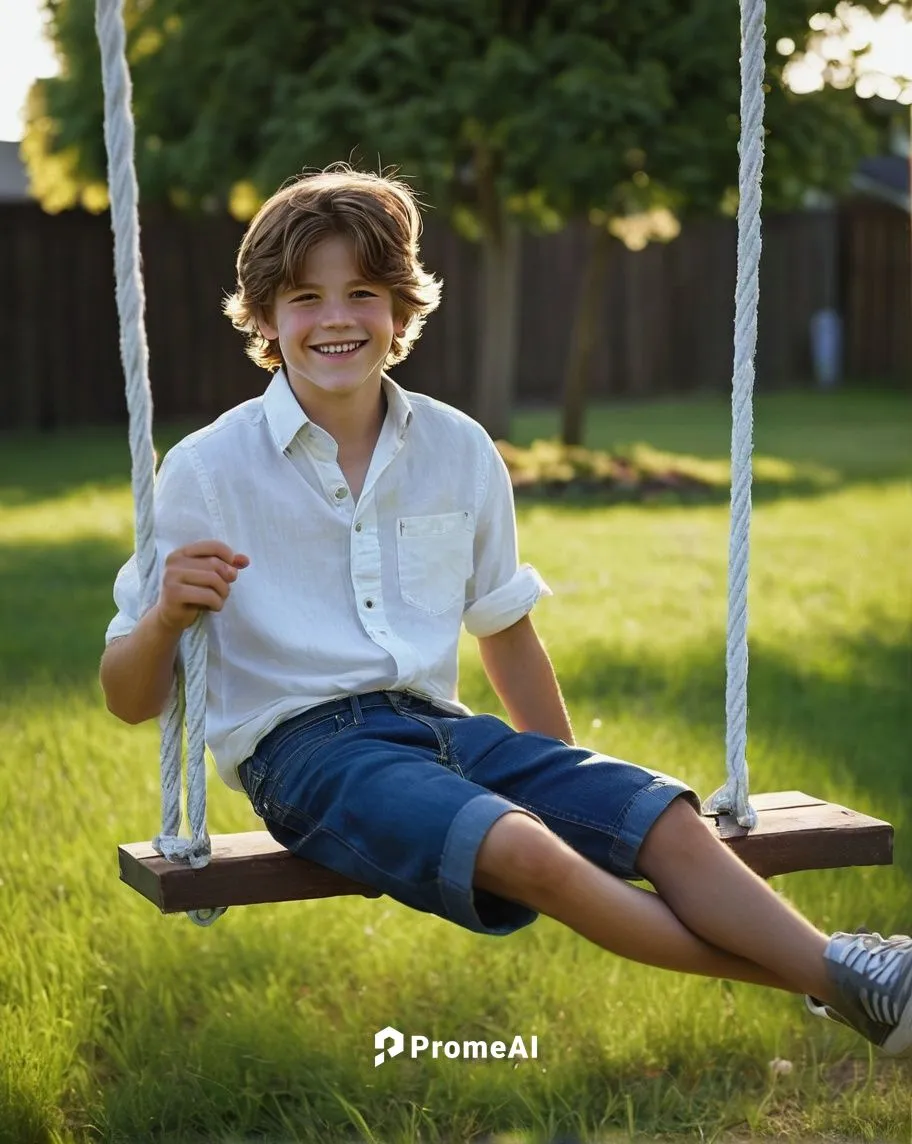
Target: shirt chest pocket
{"x": 435, "y": 559}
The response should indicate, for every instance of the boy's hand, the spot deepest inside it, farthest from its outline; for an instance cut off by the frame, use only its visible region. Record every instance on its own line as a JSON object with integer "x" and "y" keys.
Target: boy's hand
{"x": 197, "y": 576}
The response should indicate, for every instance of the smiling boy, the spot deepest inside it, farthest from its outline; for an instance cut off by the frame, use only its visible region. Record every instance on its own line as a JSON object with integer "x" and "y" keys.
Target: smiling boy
{"x": 337, "y": 532}
{"x": 334, "y": 334}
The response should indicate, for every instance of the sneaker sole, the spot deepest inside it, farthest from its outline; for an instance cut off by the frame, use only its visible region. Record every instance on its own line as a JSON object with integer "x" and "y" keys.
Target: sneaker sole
{"x": 897, "y": 1045}
{"x": 899, "y": 1042}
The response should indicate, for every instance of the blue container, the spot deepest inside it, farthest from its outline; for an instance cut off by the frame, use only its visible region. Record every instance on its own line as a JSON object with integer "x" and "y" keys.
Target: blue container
{"x": 826, "y": 347}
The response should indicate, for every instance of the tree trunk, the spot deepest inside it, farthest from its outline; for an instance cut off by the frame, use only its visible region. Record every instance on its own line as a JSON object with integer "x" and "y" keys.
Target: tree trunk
{"x": 499, "y": 324}
{"x": 499, "y": 307}
{"x": 585, "y": 332}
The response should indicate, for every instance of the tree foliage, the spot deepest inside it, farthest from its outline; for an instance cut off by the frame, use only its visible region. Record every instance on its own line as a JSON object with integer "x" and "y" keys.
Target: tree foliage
{"x": 504, "y": 113}
{"x": 572, "y": 103}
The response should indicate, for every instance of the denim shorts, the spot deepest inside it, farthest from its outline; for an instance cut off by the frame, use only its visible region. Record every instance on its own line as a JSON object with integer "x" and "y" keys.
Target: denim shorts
{"x": 398, "y": 794}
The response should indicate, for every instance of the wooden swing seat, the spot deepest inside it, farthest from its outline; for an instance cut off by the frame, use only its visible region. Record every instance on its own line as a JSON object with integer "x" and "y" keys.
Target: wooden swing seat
{"x": 796, "y": 832}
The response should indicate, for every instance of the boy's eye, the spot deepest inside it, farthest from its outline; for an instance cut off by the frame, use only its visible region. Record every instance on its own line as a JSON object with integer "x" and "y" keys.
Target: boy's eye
{"x": 311, "y": 296}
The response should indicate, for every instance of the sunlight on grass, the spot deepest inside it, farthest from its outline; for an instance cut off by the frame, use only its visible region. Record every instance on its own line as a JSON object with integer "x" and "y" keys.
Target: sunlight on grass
{"x": 84, "y": 513}
{"x": 120, "y": 1025}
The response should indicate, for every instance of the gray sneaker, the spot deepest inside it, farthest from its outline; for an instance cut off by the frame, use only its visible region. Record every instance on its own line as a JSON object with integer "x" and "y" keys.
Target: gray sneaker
{"x": 873, "y": 977}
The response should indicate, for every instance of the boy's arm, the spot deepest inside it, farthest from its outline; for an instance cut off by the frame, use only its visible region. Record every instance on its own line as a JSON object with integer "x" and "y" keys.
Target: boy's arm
{"x": 520, "y": 671}
{"x": 136, "y": 670}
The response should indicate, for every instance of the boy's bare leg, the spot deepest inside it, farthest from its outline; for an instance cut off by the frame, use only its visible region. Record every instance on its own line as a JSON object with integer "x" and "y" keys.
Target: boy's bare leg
{"x": 711, "y": 915}
{"x": 716, "y": 896}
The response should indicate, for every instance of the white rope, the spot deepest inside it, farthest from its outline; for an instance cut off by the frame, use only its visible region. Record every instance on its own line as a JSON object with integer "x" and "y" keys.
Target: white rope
{"x": 119, "y": 140}
{"x": 734, "y": 796}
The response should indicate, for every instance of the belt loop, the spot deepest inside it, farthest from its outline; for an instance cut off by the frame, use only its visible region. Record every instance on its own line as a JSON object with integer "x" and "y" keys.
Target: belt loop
{"x": 356, "y": 710}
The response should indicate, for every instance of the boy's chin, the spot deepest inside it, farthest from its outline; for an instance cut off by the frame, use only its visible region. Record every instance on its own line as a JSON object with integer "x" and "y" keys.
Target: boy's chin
{"x": 340, "y": 386}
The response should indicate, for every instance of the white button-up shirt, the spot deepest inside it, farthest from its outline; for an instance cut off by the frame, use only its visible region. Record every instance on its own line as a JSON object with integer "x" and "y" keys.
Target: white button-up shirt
{"x": 341, "y": 596}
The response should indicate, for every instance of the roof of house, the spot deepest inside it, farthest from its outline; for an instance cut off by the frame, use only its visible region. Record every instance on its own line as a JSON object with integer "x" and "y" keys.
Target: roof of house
{"x": 13, "y": 178}
{"x": 884, "y": 177}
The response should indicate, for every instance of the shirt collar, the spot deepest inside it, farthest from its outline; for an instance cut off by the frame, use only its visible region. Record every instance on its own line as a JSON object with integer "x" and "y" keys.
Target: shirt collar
{"x": 399, "y": 405}
{"x": 283, "y": 414}
{"x": 286, "y": 418}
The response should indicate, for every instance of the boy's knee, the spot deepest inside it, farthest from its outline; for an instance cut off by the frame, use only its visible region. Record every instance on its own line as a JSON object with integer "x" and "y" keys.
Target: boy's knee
{"x": 520, "y": 859}
{"x": 672, "y": 837}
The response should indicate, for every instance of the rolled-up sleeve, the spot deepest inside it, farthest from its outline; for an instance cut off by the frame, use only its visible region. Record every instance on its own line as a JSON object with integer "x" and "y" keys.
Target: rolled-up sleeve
{"x": 181, "y": 517}
{"x": 127, "y": 599}
{"x": 501, "y": 590}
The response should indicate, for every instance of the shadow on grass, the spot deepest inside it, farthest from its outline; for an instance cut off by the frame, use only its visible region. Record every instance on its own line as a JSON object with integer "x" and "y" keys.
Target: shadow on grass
{"x": 762, "y": 492}
{"x": 57, "y": 602}
{"x": 36, "y": 467}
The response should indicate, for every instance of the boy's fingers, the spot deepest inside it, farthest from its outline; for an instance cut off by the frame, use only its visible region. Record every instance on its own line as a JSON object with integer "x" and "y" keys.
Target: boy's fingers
{"x": 209, "y": 548}
{"x": 231, "y": 570}
{"x": 216, "y": 549}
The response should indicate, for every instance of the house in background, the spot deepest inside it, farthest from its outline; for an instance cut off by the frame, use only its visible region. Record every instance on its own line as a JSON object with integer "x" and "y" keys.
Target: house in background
{"x": 884, "y": 177}
{"x": 13, "y": 177}
{"x": 887, "y": 177}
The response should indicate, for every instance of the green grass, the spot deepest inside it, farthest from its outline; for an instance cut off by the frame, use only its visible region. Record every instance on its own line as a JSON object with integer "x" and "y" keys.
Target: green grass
{"x": 119, "y": 1025}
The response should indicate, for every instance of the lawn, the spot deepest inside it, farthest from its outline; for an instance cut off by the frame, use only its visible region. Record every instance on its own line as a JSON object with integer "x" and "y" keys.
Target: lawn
{"x": 119, "y": 1025}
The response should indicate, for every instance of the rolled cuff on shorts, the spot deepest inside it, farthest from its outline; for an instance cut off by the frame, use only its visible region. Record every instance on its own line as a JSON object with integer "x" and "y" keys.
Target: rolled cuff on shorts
{"x": 640, "y": 815}
{"x": 477, "y": 910}
{"x": 507, "y": 604}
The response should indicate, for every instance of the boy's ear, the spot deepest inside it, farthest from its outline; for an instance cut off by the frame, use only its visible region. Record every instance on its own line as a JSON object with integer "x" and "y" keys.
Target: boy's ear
{"x": 265, "y": 325}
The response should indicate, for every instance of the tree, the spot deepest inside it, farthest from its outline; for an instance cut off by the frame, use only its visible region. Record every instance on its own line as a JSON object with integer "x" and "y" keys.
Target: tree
{"x": 674, "y": 140}
{"x": 508, "y": 114}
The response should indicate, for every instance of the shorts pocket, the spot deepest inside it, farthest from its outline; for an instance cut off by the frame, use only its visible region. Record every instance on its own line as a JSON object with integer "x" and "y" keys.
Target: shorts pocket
{"x": 254, "y": 777}
{"x": 287, "y": 766}
{"x": 435, "y": 559}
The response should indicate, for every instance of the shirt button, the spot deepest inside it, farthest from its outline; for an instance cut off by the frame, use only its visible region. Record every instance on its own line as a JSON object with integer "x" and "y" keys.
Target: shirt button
{"x": 368, "y": 603}
{"x": 358, "y": 526}
{"x": 341, "y": 493}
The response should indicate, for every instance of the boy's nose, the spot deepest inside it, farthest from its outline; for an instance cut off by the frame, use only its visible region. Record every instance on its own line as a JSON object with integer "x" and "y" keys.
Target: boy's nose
{"x": 335, "y": 317}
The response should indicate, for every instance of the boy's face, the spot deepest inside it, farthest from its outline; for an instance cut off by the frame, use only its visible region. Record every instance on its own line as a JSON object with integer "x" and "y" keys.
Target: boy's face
{"x": 334, "y": 328}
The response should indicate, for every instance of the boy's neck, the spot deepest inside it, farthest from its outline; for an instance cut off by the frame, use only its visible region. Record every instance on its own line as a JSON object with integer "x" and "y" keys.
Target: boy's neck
{"x": 353, "y": 421}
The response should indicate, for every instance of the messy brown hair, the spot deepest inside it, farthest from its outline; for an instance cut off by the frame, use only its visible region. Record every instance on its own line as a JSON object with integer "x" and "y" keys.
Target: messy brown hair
{"x": 378, "y": 213}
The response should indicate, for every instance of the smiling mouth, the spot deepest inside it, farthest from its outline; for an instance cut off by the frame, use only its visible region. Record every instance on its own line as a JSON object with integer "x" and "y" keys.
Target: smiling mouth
{"x": 338, "y": 349}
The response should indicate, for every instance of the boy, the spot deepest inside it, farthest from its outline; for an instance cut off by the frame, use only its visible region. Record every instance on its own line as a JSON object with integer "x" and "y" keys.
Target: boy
{"x": 337, "y": 531}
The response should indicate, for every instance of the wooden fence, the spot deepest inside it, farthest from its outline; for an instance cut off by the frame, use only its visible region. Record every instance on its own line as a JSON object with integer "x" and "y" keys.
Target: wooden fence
{"x": 667, "y": 326}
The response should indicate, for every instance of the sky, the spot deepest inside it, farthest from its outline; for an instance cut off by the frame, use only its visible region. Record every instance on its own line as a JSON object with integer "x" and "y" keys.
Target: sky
{"x": 24, "y": 56}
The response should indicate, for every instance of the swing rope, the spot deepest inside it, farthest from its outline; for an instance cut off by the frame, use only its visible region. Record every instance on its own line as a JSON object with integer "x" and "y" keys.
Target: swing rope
{"x": 134, "y": 352}
{"x": 188, "y": 692}
{"x": 734, "y": 797}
